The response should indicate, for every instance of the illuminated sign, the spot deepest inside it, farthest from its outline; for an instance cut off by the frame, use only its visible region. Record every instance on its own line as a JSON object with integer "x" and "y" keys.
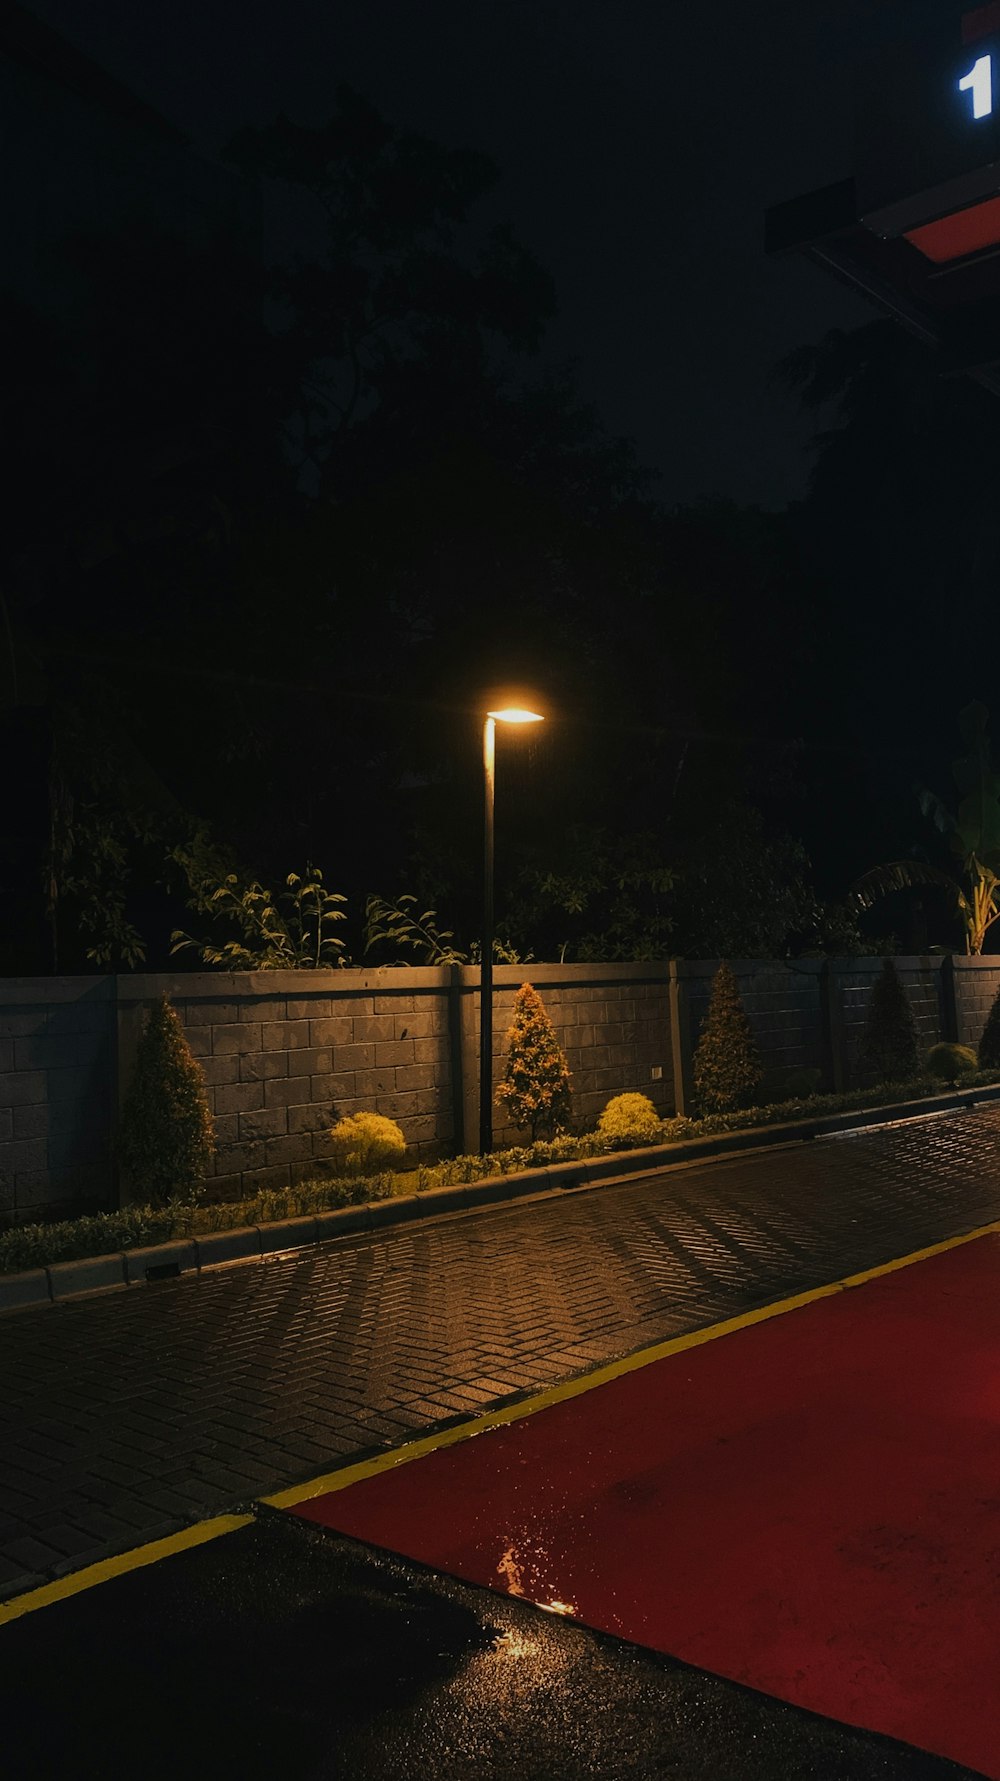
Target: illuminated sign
{"x": 928, "y": 115}
{"x": 979, "y": 82}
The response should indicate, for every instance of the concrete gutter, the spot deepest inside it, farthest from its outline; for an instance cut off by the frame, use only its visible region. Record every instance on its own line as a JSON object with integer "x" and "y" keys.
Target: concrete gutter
{"x": 163, "y": 1261}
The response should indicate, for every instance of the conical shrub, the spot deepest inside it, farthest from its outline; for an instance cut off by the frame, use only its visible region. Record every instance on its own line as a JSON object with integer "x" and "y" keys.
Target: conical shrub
{"x": 888, "y": 1049}
{"x": 536, "y": 1085}
{"x": 727, "y": 1067}
{"x": 166, "y": 1141}
{"x": 989, "y": 1044}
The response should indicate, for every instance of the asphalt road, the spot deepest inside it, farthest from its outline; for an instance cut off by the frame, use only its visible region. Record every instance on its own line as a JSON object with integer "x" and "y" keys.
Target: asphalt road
{"x": 283, "y": 1651}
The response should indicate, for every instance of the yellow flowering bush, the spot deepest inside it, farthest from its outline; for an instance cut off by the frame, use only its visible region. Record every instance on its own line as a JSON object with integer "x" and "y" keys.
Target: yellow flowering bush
{"x": 364, "y": 1143}
{"x": 630, "y": 1119}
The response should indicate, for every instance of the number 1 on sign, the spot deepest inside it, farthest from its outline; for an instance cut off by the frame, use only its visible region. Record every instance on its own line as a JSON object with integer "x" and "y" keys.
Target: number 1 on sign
{"x": 979, "y": 82}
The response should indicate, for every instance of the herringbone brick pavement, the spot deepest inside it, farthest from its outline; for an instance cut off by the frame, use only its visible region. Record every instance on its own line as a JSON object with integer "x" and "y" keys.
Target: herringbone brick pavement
{"x": 125, "y": 1415}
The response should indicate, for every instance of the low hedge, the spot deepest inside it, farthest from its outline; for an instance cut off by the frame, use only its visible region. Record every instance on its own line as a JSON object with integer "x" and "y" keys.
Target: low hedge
{"x": 104, "y": 1233}
{"x": 134, "y": 1227}
{"x": 568, "y": 1148}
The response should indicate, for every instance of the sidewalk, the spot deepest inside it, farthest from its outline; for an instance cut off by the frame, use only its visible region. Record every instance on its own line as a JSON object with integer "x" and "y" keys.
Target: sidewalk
{"x": 125, "y": 1416}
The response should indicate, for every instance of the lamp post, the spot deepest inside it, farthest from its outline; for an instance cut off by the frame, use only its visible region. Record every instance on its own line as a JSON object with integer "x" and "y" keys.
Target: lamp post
{"x": 511, "y": 714}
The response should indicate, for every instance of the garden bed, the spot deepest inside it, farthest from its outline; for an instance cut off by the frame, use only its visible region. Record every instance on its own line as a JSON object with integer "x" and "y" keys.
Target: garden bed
{"x": 35, "y": 1246}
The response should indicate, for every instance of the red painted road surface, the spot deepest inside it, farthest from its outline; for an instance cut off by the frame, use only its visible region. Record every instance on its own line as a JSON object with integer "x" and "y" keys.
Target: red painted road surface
{"x": 810, "y": 1506}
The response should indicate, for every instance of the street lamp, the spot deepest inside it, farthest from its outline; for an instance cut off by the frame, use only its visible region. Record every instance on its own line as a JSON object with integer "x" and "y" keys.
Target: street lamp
{"x": 511, "y": 714}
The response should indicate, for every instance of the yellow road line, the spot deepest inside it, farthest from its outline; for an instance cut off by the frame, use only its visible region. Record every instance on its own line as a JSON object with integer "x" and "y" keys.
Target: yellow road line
{"x": 574, "y": 1388}
{"x": 106, "y": 1568}
{"x": 202, "y": 1531}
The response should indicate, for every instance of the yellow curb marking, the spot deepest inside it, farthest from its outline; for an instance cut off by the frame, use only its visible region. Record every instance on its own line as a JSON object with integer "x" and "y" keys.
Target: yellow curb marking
{"x": 106, "y": 1568}
{"x": 201, "y": 1532}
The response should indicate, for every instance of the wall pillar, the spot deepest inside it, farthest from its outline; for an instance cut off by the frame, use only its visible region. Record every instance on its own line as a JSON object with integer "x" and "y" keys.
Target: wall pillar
{"x": 468, "y": 1000}
{"x": 832, "y": 1028}
{"x": 680, "y": 1039}
{"x": 456, "y": 1058}
{"x": 947, "y": 1001}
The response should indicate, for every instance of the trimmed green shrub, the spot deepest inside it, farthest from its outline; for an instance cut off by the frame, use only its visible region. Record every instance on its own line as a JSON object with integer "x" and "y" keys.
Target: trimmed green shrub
{"x": 950, "y": 1061}
{"x": 535, "y": 1089}
{"x": 105, "y": 1233}
{"x": 727, "y": 1069}
{"x": 165, "y": 1140}
{"x": 630, "y": 1119}
{"x": 989, "y": 1044}
{"x": 888, "y": 1048}
{"x": 364, "y": 1143}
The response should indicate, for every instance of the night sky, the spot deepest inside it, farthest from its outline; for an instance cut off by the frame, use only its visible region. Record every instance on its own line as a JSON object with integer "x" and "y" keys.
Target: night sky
{"x": 638, "y": 146}
{"x": 707, "y": 664}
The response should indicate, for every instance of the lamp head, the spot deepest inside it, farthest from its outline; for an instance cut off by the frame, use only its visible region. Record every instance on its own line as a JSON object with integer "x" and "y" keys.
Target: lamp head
{"x": 516, "y": 714}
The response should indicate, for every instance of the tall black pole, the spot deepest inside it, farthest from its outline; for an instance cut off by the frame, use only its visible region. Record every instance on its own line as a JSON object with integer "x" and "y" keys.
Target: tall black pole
{"x": 486, "y": 956}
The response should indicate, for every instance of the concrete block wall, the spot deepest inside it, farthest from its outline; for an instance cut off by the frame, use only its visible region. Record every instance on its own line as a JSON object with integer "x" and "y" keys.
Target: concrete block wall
{"x": 612, "y": 1021}
{"x": 853, "y": 980}
{"x": 783, "y": 1004}
{"x": 810, "y": 1013}
{"x": 976, "y": 983}
{"x": 287, "y": 1053}
{"x": 57, "y": 1076}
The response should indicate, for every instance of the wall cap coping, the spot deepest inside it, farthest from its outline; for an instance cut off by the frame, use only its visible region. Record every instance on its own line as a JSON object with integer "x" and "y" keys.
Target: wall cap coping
{"x": 40, "y": 1286}
{"x": 231, "y": 986}
{"x": 42, "y": 992}
{"x": 131, "y": 988}
{"x": 806, "y": 967}
{"x": 810, "y": 967}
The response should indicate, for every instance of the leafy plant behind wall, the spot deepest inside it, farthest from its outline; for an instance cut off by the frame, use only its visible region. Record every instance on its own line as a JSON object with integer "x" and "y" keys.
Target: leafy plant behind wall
{"x": 290, "y": 931}
{"x": 973, "y": 832}
{"x": 397, "y": 927}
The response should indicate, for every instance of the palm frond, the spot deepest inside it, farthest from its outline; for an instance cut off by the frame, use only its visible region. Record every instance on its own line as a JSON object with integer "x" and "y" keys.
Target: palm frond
{"x": 898, "y": 875}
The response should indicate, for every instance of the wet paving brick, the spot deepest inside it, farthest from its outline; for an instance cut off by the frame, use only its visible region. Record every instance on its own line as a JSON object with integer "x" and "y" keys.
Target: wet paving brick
{"x": 195, "y": 1396}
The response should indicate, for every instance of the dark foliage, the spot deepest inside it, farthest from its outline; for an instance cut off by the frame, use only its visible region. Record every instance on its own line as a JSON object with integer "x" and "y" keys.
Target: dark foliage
{"x": 989, "y": 1044}
{"x": 166, "y": 1141}
{"x": 727, "y": 1067}
{"x": 888, "y": 1048}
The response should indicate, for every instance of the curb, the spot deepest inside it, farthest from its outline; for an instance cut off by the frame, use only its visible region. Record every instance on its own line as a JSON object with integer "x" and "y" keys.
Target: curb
{"x": 181, "y": 1255}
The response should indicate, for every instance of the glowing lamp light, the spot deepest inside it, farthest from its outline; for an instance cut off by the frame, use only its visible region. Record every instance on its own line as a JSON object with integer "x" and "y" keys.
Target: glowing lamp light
{"x": 514, "y": 714}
